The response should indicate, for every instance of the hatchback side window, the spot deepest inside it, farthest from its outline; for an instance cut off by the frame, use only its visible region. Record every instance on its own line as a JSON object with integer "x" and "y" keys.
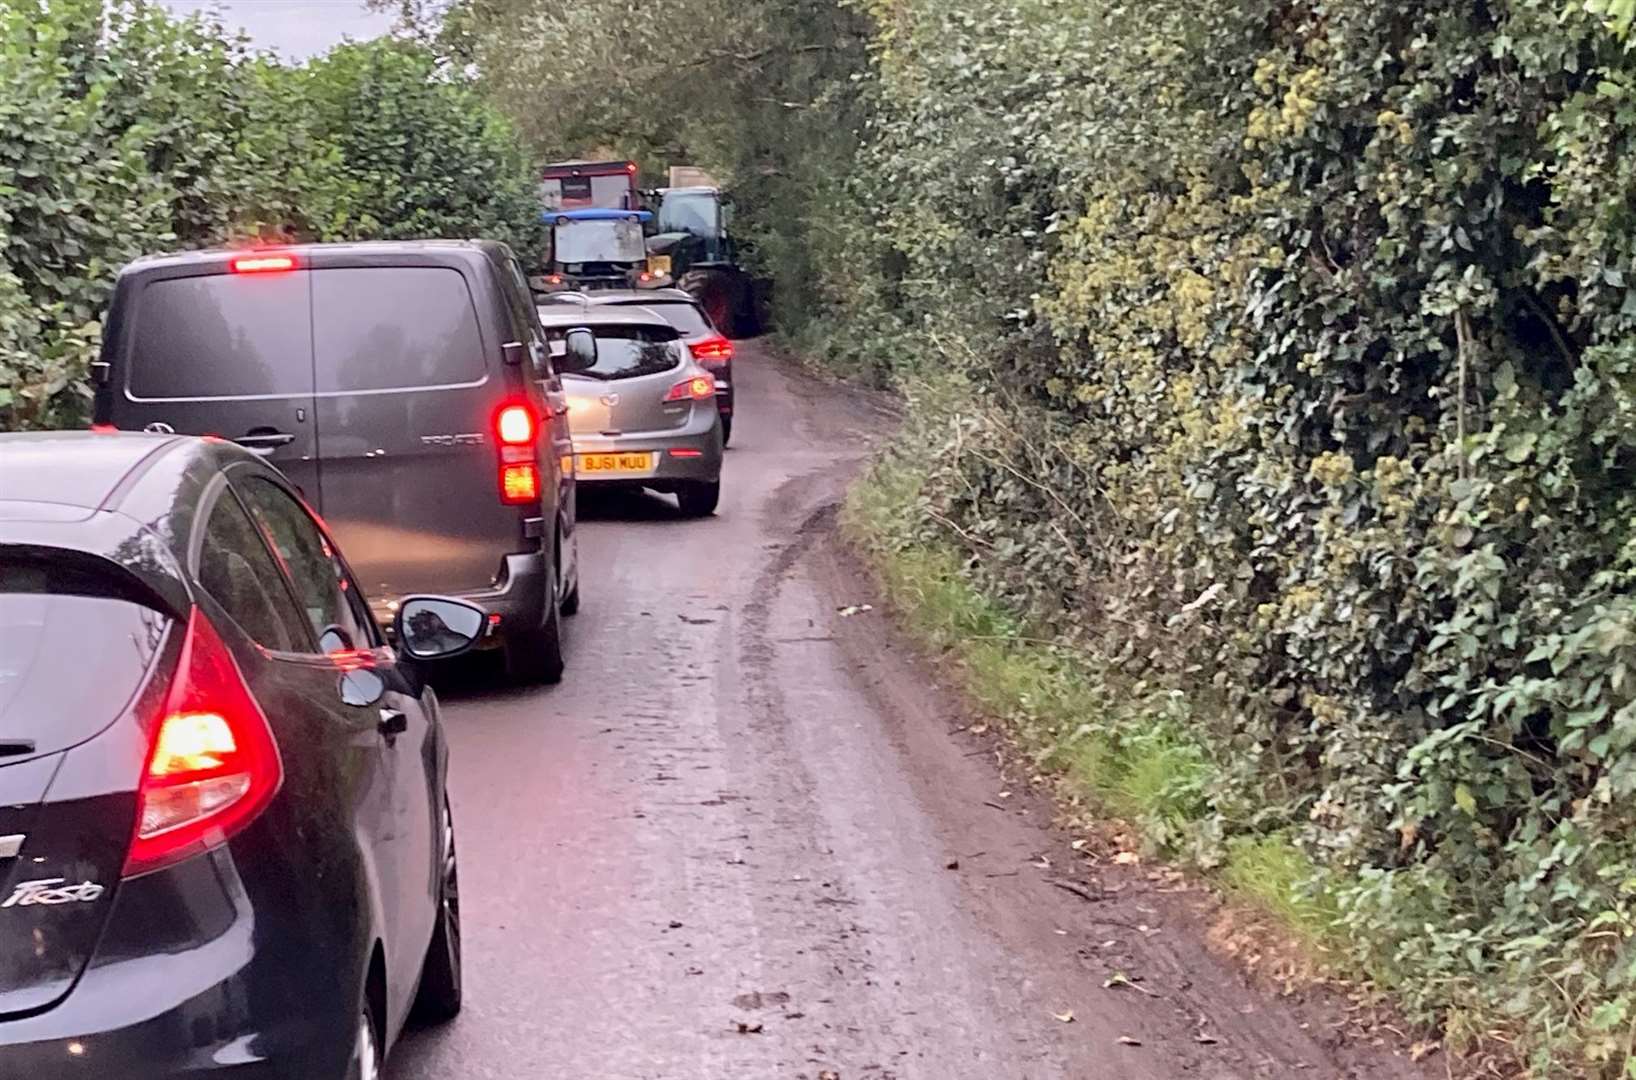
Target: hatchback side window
{"x": 337, "y": 615}
{"x": 236, "y": 569}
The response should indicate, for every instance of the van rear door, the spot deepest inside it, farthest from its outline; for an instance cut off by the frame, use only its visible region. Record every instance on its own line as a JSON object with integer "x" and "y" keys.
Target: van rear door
{"x": 222, "y": 353}
{"x": 406, "y": 404}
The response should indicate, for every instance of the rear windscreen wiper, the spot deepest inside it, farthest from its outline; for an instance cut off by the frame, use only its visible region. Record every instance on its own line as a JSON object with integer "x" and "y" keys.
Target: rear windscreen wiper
{"x": 16, "y": 747}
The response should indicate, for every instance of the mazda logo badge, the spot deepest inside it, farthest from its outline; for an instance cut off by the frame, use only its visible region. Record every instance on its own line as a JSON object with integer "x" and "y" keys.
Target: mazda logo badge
{"x": 159, "y": 427}
{"x": 610, "y": 400}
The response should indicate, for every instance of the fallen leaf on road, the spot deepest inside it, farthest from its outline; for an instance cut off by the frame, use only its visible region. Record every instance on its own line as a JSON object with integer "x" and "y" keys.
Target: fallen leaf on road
{"x": 749, "y": 1028}
{"x": 758, "y": 999}
{"x": 1078, "y": 845}
{"x": 952, "y": 864}
{"x": 1422, "y": 1049}
{"x": 1207, "y": 1040}
{"x": 674, "y": 925}
{"x": 1119, "y": 978}
{"x": 854, "y": 609}
{"x": 829, "y": 1074}
{"x": 1005, "y": 794}
{"x": 1127, "y": 858}
{"x": 1044, "y": 863}
{"x": 1066, "y": 1017}
{"x": 1126, "y": 1040}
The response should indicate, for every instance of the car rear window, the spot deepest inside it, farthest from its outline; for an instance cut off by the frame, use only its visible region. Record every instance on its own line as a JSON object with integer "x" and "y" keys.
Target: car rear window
{"x": 74, "y": 651}
{"x": 393, "y": 328}
{"x": 683, "y": 316}
{"x": 626, "y": 352}
{"x": 221, "y": 336}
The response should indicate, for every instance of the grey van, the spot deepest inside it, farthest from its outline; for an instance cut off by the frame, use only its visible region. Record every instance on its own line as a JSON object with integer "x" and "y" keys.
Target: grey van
{"x": 405, "y": 388}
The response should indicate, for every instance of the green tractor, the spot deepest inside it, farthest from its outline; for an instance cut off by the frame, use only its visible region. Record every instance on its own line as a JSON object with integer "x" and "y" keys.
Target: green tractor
{"x": 692, "y": 243}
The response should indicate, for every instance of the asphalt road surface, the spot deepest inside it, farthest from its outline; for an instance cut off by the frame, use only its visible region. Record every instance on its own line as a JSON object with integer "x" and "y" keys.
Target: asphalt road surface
{"x": 741, "y": 840}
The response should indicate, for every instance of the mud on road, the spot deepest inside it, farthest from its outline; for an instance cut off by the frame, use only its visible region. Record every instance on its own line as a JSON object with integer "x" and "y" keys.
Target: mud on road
{"x": 745, "y": 838}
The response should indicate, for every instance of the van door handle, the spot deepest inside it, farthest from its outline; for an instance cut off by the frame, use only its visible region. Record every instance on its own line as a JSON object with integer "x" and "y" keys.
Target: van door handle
{"x": 262, "y": 440}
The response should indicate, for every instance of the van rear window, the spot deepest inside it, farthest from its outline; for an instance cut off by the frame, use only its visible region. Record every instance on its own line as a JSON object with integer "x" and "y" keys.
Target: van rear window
{"x": 221, "y": 336}
{"x": 394, "y": 327}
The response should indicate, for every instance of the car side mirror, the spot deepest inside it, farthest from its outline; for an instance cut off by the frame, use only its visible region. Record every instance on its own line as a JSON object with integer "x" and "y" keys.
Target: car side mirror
{"x": 579, "y": 350}
{"x": 438, "y": 627}
{"x": 362, "y": 688}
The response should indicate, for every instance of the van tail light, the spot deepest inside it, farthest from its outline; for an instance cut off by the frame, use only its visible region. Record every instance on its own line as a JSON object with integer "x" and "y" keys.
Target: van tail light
{"x": 698, "y": 388}
{"x": 213, "y": 765}
{"x": 267, "y": 263}
{"x": 515, "y": 427}
{"x": 714, "y": 349}
{"x": 519, "y": 484}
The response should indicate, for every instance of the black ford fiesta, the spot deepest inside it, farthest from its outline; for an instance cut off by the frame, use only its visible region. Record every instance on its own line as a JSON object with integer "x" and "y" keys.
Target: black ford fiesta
{"x": 225, "y": 846}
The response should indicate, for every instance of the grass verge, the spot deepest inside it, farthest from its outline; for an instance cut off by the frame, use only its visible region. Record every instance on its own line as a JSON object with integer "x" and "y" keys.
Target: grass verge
{"x": 1125, "y": 752}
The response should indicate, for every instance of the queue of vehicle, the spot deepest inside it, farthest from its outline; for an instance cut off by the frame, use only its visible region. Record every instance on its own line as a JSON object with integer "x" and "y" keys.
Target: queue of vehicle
{"x": 315, "y": 473}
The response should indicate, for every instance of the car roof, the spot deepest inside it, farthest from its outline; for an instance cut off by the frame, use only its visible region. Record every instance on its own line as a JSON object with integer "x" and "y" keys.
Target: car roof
{"x": 127, "y": 499}
{"x": 562, "y": 314}
{"x": 351, "y": 253}
{"x": 604, "y": 297}
{"x": 71, "y": 468}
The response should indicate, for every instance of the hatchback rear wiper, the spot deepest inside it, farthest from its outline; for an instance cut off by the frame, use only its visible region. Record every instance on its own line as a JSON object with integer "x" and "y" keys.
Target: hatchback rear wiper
{"x": 16, "y": 747}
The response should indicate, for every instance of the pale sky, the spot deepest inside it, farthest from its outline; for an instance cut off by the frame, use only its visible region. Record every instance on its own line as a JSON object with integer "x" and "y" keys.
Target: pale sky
{"x": 297, "y": 29}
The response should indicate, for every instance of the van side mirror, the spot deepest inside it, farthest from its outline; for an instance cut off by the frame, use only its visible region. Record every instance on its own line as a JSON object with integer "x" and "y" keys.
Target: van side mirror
{"x": 579, "y": 351}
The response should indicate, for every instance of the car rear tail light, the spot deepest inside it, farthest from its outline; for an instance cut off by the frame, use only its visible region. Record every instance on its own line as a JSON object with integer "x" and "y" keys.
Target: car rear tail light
{"x": 716, "y": 348}
{"x": 698, "y": 388}
{"x": 212, "y": 766}
{"x": 516, "y": 426}
{"x": 262, "y": 264}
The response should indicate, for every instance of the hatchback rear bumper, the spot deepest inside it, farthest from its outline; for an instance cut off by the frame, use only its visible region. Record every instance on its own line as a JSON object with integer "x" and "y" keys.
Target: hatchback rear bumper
{"x": 228, "y": 1001}
{"x": 690, "y": 454}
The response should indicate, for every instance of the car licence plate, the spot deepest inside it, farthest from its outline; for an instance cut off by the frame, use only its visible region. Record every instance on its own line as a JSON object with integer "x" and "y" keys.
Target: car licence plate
{"x": 659, "y": 265}
{"x": 614, "y": 463}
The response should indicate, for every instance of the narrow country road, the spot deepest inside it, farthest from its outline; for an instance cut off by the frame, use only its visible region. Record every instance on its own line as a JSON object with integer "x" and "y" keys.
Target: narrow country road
{"x": 741, "y": 841}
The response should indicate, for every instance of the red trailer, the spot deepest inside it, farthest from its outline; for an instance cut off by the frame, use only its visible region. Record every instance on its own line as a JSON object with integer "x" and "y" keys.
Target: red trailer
{"x": 589, "y": 185}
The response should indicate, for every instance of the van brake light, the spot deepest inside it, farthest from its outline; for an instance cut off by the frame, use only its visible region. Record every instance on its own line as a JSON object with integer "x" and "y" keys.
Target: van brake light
{"x": 515, "y": 426}
{"x": 262, "y": 264}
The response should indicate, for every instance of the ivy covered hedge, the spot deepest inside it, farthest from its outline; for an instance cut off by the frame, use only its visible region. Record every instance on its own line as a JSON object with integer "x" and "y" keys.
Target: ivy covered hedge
{"x": 1293, "y": 352}
{"x": 125, "y": 131}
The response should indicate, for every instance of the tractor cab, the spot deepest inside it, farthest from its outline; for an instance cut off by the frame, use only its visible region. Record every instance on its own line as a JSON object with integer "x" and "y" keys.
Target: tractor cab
{"x": 691, "y": 230}
{"x": 598, "y": 249}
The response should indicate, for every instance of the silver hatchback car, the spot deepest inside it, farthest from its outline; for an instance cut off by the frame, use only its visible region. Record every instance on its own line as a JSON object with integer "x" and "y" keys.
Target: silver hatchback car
{"x": 644, "y": 414}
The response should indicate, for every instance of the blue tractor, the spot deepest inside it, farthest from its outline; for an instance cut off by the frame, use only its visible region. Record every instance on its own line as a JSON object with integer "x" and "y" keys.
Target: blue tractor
{"x": 598, "y": 249}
